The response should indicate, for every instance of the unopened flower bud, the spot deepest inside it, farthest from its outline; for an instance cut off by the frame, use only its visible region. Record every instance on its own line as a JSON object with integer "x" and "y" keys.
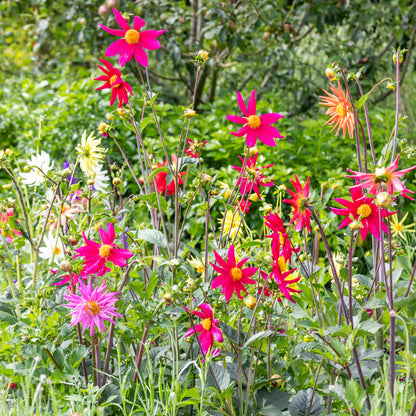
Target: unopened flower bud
{"x": 205, "y": 178}
{"x": 253, "y": 151}
{"x": 90, "y": 182}
{"x": 395, "y": 58}
{"x": 250, "y": 301}
{"x": 276, "y": 381}
{"x": 331, "y": 74}
{"x": 202, "y": 55}
{"x": 73, "y": 240}
{"x": 391, "y": 86}
{"x": 8, "y": 152}
{"x": 66, "y": 172}
{"x": 227, "y": 194}
{"x": 116, "y": 181}
{"x": 27, "y": 168}
{"x": 6, "y": 186}
{"x": 189, "y": 113}
{"x": 103, "y": 128}
{"x": 65, "y": 266}
{"x": 356, "y": 225}
{"x": 383, "y": 199}
{"x": 103, "y": 10}
{"x": 281, "y": 188}
{"x": 253, "y": 197}
{"x": 167, "y": 297}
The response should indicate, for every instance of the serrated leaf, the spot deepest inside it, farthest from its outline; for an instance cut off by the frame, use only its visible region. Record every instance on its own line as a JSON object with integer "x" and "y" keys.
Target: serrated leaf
{"x": 220, "y": 374}
{"x": 368, "y": 327}
{"x": 151, "y": 286}
{"x": 186, "y": 161}
{"x": 155, "y": 172}
{"x": 403, "y": 302}
{"x": 152, "y": 200}
{"x": 152, "y": 236}
{"x": 363, "y": 280}
{"x": 259, "y": 336}
{"x": 304, "y": 403}
{"x": 355, "y": 394}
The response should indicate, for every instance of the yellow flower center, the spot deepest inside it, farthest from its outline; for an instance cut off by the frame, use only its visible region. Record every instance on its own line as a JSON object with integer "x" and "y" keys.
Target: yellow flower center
{"x": 200, "y": 268}
{"x": 341, "y": 110}
{"x": 236, "y": 273}
{"x": 57, "y": 251}
{"x": 113, "y": 80}
{"x": 364, "y": 210}
{"x": 132, "y": 36}
{"x": 282, "y": 263}
{"x": 398, "y": 227}
{"x": 105, "y": 250}
{"x": 92, "y": 307}
{"x": 254, "y": 121}
{"x": 207, "y": 324}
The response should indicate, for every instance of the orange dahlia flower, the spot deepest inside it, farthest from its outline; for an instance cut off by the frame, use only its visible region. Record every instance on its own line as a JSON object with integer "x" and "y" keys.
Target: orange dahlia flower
{"x": 339, "y": 108}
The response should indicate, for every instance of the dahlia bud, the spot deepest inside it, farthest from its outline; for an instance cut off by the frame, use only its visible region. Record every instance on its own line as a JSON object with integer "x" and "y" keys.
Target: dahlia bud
{"x": 103, "y": 10}
{"x": 167, "y": 297}
{"x": 383, "y": 200}
{"x": 202, "y": 56}
{"x": 356, "y": 225}
{"x": 253, "y": 151}
{"x": 103, "y": 128}
{"x": 189, "y": 113}
{"x": 73, "y": 240}
{"x": 90, "y": 182}
{"x": 276, "y": 381}
{"x": 395, "y": 58}
{"x": 250, "y": 301}
{"x": 65, "y": 266}
{"x": 116, "y": 181}
{"x": 205, "y": 178}
{"x": 27, "y": 168}
{"x": 331, "y": 74}
{"x": 391, "y": 86}
{"x": 66, "y": 172}
{"x": 227, "y": 194}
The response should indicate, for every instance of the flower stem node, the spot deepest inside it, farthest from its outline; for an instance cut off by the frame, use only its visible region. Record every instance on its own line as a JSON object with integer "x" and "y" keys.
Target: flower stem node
{"x": 393, "y": 313}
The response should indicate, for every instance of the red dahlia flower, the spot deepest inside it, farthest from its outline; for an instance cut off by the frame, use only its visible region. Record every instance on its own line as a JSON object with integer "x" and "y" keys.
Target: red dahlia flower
{"x": 113, "y": 80}
{"x": 299, "y": 199}
{"x": 161, "y": 183}
{"x": 132, "y": 41}
{"x": 251, "y": 177}
{"x": 96, "y": 255}
{"x": 208, "y": 329}
{"x": 255, "y": 127}
{"x": 231, "y": 276}
{"x": 383, "y": 179}
{"x": 363, "y": 209}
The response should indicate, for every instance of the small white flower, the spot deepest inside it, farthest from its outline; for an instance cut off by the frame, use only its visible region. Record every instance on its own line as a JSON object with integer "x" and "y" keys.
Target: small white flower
{"x": 53, "y": 249}
{"x": 100, "y": 179}
{"x": 41, "y": 165}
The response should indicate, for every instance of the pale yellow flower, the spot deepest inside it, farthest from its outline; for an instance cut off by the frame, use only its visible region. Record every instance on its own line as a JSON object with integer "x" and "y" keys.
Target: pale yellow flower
{"x": 199, "y": 266}
{"x": 232, "y": 221}
{"x": 90, "y": 154}
{"x": 398, "y": 228}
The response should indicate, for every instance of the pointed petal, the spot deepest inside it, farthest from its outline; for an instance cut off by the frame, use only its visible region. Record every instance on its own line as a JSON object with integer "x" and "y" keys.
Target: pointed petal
{"x": 252, "y": 103}
{"x": 116, "y": 47}
{"x": 241, "y": 104}
{"x": 115, "y": 32}
{"x": 120, "y": 20}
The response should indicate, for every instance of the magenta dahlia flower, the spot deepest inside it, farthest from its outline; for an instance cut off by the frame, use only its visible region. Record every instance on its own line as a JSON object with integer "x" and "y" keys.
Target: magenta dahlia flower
{"x": 113, "y": 80}
{"x": 383, "y": 179}
{"x": 96, "y": 255}
{"x": 208, "y": 329}
{"x": 362, "y": 208}
{"x": 255, "y": 127}
{"x": 252, "y": 178}
{"x": 231, "y": 276}
{"x": 299, "y": 200}
{"x": 92, "y": 307}
{"x": 133, "y": 41}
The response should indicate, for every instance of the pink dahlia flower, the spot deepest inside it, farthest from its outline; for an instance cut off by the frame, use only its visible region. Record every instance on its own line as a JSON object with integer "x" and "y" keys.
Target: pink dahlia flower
{"x": 255, "y": 127}
{"x": 113, "y": 80}
{"x": 383, "y": 179}
{"x": 362, "y": 208}
{"x": 92, "y": 307}
{"x": 208, "y": 329}
{"x": 231, "y": 276}
{"x": 301, "y": 215}
{"x": 133, "y": 41}
{"x": 252, "y": 178}
{"x": 96, "y": 255}
{"x": 5, "y": 228}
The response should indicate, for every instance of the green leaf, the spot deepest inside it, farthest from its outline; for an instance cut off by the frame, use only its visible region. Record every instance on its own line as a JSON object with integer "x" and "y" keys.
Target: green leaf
{"x": 304, "y": 403}
{"x": 151, "y": 199}
{"x": 363, "y": 280}
{"x": 231, "y": 333}
{"x": 259, "y": 336}
{"x": 355, "y": 394}
{"x": 151, "y": 286}
{"x": 358, "y": 104}
{"x": 220, "y": 374}
{"x": 186, "y": 161}
{"x": 403, "y": 302}
{"x": 145, "y": 122}
{"x": 271, "y": 403}
{"x": 153, "y": 237}
{"x": 155, "y": 172}
{"x": 7, "y": 317}
{"x": 368, "y": 327}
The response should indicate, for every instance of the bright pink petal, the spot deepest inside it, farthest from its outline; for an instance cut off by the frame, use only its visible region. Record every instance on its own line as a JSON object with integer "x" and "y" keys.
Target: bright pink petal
{"x": 115, "y": 32}
{"x": 252, "y": 103}
{"x": 116, "y": 47}
{"x": 120, "y": 19}
{"x": 140, "y": 55}
{"x": 138, "y": 23}
{"x": 241, "y": 104}
{"x": 251, "y": 137}
{"x": 237, "y": 119}
{"x": 126, "y": 54}
{"x": 270, "y": 118}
